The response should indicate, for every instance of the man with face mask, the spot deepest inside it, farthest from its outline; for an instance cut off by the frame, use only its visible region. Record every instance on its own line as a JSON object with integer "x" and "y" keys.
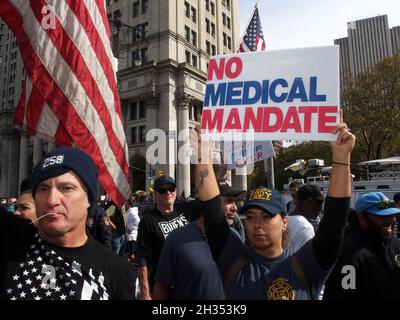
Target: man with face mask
{"x": 369, "y": 264}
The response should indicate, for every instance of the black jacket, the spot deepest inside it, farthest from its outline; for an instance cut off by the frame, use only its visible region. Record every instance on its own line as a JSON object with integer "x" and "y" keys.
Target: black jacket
{"x": 96, "y": 227}
{"x": 377, "y": 268}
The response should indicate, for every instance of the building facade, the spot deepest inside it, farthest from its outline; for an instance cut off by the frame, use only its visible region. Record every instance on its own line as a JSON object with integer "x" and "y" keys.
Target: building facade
{"x": 368, "y": 42}
{"x": 160, "y": 98}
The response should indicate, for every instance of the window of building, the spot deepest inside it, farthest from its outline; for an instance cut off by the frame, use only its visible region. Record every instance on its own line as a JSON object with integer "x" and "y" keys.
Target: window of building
{"x": 208, "y": 47}
{"x": 213, "y": 50}
{"x": 142, "y": 134}
{"x": 187, "y": 9}
{"x": 187, "y": 33}
{"x": 194, "y": 111}
{"x": 208, "y": 5}
{"x": 194, "y": 38}
{"x": 207, "y": 25}
{"x": 194, "y": 60}
{"x": 145, "y": 6}
{"x": 228, "y": 4}
{"x": 115, "y": 44}
{"x": 194, "y": 14}
{"x": 187, "y": 55}
{"x": 143, "y": 55}
{"x": 142, "y": 110}
{"x": 134, "y": 111}
{"x": 228, "y": 23}
{"x": 224, "y": 19}
{"x": 212, "y": 7}
{"x": 133, "y": 135}
{"x": 229, "y": 42}
{"x": 213, "y": 29}
{"x": 135, "y": 9}
{"x": 138, "y": 35}
{"x": 224, "y": 39}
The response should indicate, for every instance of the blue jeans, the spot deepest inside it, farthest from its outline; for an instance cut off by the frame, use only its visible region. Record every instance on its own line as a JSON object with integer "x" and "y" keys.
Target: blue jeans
{"x": 118, "y": 245}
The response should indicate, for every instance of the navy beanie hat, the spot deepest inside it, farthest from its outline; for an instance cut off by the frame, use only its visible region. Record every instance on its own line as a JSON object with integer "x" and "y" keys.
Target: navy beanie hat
{"x": 64, "y": 159}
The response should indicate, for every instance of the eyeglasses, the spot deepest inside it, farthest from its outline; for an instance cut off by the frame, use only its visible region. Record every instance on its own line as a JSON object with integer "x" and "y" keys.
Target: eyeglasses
{"x": 164, "y": 190}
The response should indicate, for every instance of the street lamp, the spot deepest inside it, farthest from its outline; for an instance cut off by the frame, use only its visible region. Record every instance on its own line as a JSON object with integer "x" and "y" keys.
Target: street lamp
{"x": 123, "y": 33}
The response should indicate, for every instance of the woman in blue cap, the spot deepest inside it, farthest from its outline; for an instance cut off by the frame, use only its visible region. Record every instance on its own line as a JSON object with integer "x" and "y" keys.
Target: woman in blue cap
{"x": 264, "y": 268}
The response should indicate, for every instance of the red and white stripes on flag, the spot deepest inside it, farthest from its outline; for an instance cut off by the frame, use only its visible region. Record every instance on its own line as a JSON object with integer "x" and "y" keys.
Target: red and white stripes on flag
{"x": 71, "y": 94}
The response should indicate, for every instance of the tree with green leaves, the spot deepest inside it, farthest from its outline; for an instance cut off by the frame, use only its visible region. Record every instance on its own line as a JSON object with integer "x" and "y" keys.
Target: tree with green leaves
{"x": 371, "y": 104}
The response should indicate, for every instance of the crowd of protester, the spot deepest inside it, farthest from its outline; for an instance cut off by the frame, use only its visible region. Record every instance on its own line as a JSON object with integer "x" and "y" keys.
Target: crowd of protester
{"x": 225, "y": 243}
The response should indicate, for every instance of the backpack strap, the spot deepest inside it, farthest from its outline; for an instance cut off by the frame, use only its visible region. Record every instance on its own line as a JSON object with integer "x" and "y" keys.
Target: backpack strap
{"x": 298, "y": 271}
{"x": 235, "y": 267}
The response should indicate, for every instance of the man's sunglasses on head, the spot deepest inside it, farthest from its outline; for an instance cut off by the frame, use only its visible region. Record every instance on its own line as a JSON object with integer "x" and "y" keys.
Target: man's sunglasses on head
{"x": 164, "y": 190}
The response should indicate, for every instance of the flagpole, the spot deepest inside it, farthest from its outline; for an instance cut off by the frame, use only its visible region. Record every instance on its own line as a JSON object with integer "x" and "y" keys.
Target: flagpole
{"x": 247, "y": 25}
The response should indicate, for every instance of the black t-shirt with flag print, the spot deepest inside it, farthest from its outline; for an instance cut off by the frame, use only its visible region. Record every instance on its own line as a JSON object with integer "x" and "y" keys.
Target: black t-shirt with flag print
{"x": 32, "y": 269}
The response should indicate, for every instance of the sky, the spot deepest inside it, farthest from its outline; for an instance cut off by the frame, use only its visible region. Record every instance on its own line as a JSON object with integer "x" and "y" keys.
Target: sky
{"x": 306, "y": 23}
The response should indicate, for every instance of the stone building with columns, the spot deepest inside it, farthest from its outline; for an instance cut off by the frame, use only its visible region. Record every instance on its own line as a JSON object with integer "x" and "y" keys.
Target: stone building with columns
{"x": 164, "y": 92}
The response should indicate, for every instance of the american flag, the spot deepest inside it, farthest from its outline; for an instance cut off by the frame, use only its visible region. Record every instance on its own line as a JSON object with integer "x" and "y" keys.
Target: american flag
{"x": 70, "y": 94}
{"x": 253, "y": 39}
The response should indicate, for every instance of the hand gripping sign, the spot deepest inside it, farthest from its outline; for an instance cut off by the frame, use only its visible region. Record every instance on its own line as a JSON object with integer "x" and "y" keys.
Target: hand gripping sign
{"x": 276, "y": 95}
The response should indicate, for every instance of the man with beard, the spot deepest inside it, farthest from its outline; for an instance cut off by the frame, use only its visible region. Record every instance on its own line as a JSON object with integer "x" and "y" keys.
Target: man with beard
{"x": 369, "y": 264}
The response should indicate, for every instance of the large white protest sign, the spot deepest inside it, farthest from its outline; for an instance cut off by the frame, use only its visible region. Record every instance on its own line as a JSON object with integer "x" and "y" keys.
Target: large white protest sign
{"x": 279, "y": 95}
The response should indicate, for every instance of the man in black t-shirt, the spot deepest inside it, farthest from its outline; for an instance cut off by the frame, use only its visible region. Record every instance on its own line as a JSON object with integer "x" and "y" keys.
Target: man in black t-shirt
{"x": 156, "y": 225}
{"x": 58, "y": 260}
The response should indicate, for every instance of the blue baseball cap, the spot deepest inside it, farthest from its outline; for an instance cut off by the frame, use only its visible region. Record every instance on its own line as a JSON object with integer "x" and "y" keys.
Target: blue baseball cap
{"x": 162, "y": 180}
{"x": 266, "y": 199}
{"x": 375, "y": 203}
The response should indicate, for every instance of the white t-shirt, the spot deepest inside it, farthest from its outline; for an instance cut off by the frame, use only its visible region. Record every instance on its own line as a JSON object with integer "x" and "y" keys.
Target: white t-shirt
{"x": 132, "y": 223}
{"x": 300, "y": 231}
